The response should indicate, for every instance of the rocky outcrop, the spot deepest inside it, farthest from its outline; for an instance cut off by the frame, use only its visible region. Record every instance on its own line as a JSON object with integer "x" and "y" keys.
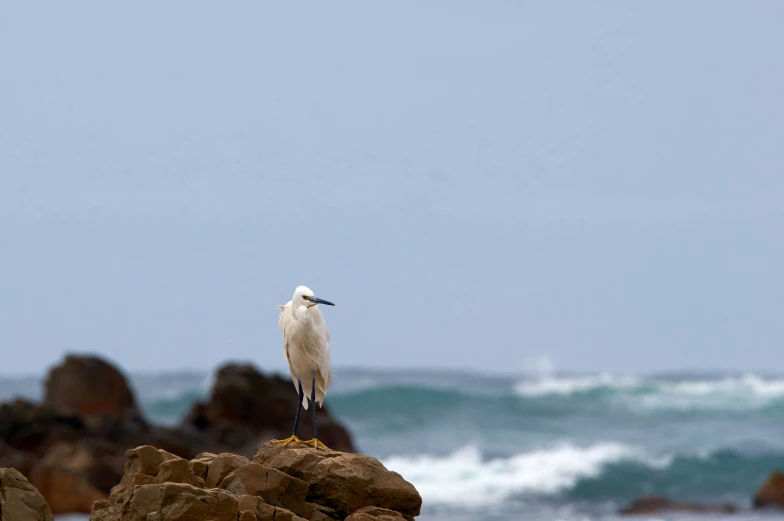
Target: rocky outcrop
{"x": 771, "y": 493}
{"x": 71, "y": 461}
{"x": 65, "y": 491}
{"x": 19, "y": 500}
{"x": 344, "y": 482}
{"x": 659, "y": 505}
{"x": 72, "y": 447}
{"x": 247, "y": 408}
{"x": 159, "y": 486}
{"x": 89, "y": 387}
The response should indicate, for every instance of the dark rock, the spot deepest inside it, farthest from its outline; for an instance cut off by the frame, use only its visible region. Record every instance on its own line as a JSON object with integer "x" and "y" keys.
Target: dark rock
{"x": 90, "y": 419}
{"x": 659, "y": 505}
{"x": 247, "y": 408}
{"x": 87, "y": 386}
{"x": 771, "y": 493}
{"x": 65, "y": 491}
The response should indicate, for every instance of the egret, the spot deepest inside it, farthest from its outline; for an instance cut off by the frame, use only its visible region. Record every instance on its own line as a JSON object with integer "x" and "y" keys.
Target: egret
{"x": 306, "y": 345}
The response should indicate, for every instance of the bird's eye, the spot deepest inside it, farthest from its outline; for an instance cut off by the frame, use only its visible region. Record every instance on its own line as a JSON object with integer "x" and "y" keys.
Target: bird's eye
{"x": 306, "y": 297}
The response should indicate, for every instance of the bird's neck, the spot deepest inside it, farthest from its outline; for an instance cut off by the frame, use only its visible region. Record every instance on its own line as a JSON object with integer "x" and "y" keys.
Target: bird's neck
{"x": 302, "y": 313}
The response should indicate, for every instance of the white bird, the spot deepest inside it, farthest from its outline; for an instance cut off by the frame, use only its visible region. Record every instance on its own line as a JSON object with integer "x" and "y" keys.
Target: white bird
{"x": 306, "y": 346}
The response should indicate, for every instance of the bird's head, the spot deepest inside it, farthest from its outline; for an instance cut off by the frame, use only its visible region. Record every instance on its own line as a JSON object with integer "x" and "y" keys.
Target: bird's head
{"x": 303, "y": 296}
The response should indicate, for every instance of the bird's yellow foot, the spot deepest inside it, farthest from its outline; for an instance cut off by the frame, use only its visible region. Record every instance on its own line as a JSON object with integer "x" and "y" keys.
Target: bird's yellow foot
{"x": 316, "y": 443}
{"x": 290, "y": 439}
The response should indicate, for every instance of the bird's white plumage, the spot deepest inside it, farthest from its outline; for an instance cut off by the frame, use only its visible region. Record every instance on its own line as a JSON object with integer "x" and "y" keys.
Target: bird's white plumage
{"x": 306, "y": 344}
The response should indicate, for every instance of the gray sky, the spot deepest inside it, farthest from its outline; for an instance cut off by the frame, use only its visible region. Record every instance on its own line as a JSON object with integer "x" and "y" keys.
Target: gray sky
{"x": 474, "y": 184}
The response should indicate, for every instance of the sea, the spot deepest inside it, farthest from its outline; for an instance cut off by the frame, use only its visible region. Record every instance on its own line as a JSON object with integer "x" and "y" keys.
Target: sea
{"x": 547, "y": 447}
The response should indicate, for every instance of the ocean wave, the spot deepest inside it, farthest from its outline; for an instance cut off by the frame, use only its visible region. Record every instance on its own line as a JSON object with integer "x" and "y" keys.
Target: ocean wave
{"x": 563, "y": 386}
{"x": 603, "y": 471}
{"x": 463, "y": 477}
{"x": 170, "y": 409}
{"x": 729, "y": 393}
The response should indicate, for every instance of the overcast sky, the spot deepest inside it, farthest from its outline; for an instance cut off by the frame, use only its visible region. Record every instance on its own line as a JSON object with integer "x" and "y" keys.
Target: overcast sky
{"x": 474, "y": 184}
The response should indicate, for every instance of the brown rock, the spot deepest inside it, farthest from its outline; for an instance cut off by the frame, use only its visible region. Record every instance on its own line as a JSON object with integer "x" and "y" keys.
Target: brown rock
{"x": 73, "y": 444}
{"x": 120, "y": 497}
{"x": 375, "y": 514}
{"x": 99, "y": 462}
{"x": 145, "y": 459}
{"x": 318, "y": 515}
{"x": 249, "y": 503}
{"x": 322, "y": 513}
{"x": 270, "y": 513}
{"x": 94, "y": 450}
{"x": 19, "y": 500}
{"x": 178, "y": 502}
{"x": 659, "y": 504}
{"x": 224, "y": 507}
{"x": 275, "y": 487}
{"x": 221, "y": 466}
{"x": 144, "y": 501}
{"x": 178, "y": 471}
{"x": 253, "y": 492}
{"x": 88, "y": 386}
{"x": 201, "y": 463}
{"x": 64, "y": 491}
{"x": 771, "y": 493}
{"x": 343, "y": 481}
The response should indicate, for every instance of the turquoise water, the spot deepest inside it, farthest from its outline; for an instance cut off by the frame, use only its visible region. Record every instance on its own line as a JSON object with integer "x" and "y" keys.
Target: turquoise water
{"x": 554, "y": 447}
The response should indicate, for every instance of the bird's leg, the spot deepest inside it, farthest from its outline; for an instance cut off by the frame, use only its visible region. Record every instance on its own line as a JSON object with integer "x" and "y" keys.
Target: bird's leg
{"x": 315, "y": 439}
{"x": 313, "y": 404}
{"x": 300, "y": 395}
{"x": 293, "y": 436}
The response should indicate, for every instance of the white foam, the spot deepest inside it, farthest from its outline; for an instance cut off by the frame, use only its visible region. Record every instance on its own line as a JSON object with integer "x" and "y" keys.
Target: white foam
{"x": 730, "y": 393}
{"x": 554, "y": 385}
{"x": 464, "y": 478}
{"x": 744, "y": 385}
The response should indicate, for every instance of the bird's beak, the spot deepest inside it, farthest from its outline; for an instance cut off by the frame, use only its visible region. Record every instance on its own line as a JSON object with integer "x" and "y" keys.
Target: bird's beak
{"x": 317, "y": 300}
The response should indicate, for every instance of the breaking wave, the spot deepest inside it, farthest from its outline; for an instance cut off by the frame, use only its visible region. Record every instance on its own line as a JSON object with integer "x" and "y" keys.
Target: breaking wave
{"x": 729, "y": 393}
{"x": 602, "y": 471}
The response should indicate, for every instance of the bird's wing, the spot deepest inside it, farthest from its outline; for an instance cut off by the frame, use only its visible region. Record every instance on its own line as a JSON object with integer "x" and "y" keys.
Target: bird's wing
{"x": 283, "y": 323}
{"x": 323, "y": 363}
{"x": 283, "y": 320}
{"x": 325, "y": 369}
